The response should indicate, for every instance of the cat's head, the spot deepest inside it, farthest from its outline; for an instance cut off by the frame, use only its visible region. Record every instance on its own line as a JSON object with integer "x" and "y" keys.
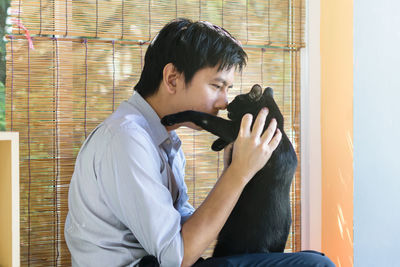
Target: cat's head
{"x": 252, "y": 102}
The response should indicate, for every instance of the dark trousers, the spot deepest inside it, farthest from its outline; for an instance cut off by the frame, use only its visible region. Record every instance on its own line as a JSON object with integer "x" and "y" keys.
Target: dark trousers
{"x": 306, "y": 258}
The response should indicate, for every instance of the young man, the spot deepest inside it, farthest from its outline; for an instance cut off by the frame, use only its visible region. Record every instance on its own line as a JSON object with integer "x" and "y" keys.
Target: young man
{"x": 127, "y": 197}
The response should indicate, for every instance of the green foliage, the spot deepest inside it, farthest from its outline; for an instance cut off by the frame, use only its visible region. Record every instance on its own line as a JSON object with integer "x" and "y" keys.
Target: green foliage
{"x": 2, "y": 107}
{"x": 4, "y": 4}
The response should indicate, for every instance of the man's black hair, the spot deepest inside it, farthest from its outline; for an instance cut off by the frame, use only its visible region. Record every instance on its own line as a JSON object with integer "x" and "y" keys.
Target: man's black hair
{"x": 189, "y": 46}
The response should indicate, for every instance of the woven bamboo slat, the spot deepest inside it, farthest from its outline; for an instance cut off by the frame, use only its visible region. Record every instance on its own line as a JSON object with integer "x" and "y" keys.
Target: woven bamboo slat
{"x": 87, "y": 57}
{"x": 274, "y": 22}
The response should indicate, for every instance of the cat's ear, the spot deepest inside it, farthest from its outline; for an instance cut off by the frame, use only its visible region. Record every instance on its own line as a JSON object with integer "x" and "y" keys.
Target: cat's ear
{"x": 269, "y": 92}
{"x": 255, "y": 92}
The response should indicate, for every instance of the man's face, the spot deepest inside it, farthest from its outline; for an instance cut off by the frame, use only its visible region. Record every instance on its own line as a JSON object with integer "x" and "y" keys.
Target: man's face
{"x": 207, "y": 92}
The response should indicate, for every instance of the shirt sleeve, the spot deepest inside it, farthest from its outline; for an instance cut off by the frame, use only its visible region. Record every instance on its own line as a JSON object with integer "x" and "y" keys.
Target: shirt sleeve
{"x": 130, "y": 180}
{"x": 186, "y": 210}
{"x": 184, "y": 207}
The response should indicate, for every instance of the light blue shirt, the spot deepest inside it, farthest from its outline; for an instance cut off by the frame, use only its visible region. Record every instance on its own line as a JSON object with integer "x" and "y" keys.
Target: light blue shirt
{"x": 127, "y": 196}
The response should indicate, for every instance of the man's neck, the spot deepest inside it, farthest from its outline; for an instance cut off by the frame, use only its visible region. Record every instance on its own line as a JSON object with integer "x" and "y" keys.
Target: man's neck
{"x": 162, "y": 106}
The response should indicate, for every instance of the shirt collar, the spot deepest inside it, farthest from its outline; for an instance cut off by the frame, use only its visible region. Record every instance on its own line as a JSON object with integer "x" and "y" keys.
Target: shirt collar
{"x": 158, "y": 132}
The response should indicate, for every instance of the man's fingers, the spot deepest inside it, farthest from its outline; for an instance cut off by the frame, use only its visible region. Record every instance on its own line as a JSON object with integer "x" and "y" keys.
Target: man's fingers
{"x": 260, "y": 122}
{"x": 275, "y": 141}
{"x": 245, "y": 125}
{"x": 269, "y": 133}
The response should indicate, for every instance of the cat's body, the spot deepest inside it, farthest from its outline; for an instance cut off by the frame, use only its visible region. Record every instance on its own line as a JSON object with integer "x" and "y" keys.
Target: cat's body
{"x": 261, "y": 219}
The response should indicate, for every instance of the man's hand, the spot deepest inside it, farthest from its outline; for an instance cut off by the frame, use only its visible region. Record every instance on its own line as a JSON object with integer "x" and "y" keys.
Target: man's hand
{"x": 252, "y": 149}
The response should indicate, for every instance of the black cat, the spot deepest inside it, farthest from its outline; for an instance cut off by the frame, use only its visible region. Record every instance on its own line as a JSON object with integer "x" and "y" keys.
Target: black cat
{"x": 261, "y": 219}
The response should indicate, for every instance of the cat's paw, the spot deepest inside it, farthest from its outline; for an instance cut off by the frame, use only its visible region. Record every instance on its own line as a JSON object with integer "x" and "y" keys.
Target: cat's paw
{"x": 168, "y": 120}
{"x": 219, "y": 144}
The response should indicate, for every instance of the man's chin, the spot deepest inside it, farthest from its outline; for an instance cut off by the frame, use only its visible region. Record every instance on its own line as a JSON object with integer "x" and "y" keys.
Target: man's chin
{"x": 193, "y": 126}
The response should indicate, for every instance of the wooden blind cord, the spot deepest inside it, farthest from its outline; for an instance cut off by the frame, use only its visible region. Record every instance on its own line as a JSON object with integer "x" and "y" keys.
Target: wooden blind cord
{"x": 40, "y": 17}
{"x": 283, "y": 79}
{"x": 86, "y": 84}
{"x": 66, "y": 18}
{"x": 199, "y": 9}
{"x": 12, "y": 82}
{"x": 29, "y": 160}
{"x": 54, "y": 153}
{"x": 301, "y": 18}
{"x": 97, "y": 16}
{"x": 247, "y": 22}
{"x": 288, "y": 25}
{"x": 261, "y": 67}
{"x": 149, "y": 39}
{"x": 113, "y": 79}
{"x": 176, "y": 8}
{"x": 269, "y": 21}
{"x": 19, "y": 15}
{"x": 57, "y": 152}
{"x": 122, "y": 19}
{"x": 222, "y": 13}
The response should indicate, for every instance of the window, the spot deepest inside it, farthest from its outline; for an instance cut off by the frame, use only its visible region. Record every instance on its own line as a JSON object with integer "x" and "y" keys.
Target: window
{"x": 87, "y": 56}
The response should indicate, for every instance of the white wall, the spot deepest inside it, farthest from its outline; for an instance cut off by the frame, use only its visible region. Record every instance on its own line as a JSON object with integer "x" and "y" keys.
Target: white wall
{"x": 311, "y": 131}
{"x": 376, "y": 132}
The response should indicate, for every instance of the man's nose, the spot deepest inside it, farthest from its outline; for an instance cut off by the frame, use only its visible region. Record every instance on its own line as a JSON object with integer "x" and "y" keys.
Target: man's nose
{"x": 222, "y": 102}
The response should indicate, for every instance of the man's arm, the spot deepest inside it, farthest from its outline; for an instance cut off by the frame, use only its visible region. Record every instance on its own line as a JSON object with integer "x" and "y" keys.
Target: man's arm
{"x": 250, "y": 153}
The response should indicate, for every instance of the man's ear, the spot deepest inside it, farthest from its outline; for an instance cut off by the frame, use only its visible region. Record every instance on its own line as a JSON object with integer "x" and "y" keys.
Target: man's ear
{"x": 170, "y": 78}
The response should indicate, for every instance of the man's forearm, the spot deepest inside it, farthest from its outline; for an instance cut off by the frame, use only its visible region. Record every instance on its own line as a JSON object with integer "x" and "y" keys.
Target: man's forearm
{"x": 207, "y": 221}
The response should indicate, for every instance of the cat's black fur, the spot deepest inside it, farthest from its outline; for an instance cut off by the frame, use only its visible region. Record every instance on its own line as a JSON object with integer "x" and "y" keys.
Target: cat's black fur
{"x": 261, "y": 219}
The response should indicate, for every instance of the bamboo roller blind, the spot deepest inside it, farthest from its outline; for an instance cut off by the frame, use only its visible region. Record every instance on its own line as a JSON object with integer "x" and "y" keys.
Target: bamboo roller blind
{"x": 87, "y": 56}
